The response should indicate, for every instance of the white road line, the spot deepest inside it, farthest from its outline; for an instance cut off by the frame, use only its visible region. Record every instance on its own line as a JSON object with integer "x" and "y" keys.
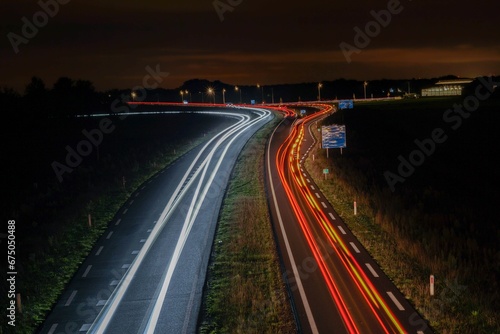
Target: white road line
{"x": 331, "y": 215}
{"x": 131, "y": 202}
{"x": 308, "y": 180}
{"x": 85, "y": 327}
{"x": 70, "y": 299}
{"x": 318, "y": 196}
{"x": 135, "y": 252}
{"x": 109, "y": 235}
{"x": 312, "y": 187}
{"x": 114, "y": 282}
{"x": 52, "y": 329}
{"x": 149, "y": 230}
{"x": 125, "y": 211}
{"x": 118, "y": 221}
{"x": 354, "y": 247}
{"x": 99, "y": 250}
{"x": 310, "y": 316}
{"x": 143, "y": 187}
{"x": 87, "y": 271}
{"x": 104, "y": 317}
{"x": 137, "y": 194}
{"x": 126, "y": 266}
{"x": 374, "y": 273}
{"x": 100, "y": 302}
{"x": 324, "y": 205}
{"x": 143, "y": 240}
{"x": 398, "y": 304}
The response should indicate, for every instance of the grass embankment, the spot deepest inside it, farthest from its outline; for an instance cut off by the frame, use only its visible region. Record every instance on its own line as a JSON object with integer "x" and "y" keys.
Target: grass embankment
{"x": 246, "y": 293}
{"x": 53, "y": 235}
{"x": 429, "y": 225}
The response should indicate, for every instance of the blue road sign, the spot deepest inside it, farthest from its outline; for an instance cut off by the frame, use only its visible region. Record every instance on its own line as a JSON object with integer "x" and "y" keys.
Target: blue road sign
{"x": 333, "y": 136}
{"x": 346, "y": 104}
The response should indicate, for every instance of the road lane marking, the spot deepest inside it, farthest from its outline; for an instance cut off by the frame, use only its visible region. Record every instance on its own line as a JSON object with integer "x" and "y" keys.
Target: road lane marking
{"x": 396, "y": 302}
{"x": 318, "y": 196}
{"x": 137, "y": 194}
{"x": 100, "y": 302}
{"x": 131, "y": 202}
{"x": 126, "y": 266}
{"x": 114, "y": 282}
{"x": 143, "y": 240}
{"x": 125, "y": 211}
{"x": 312, "y": 187}
{"x": 331, "y": 215}
{"x": 85, "y": 327}
{"x": 374, "y": 273}
{"x": 341, "y": 229}
{"x": 99, "y": 250}
{"x": 149, "y": 231}
{"x": 305, "y": 302}
{"x": 109, "y": 235}
{"x": 103, "y": 319}
{"x": 354, "y": 247}
{"x": 118, "y": 221}
{"x": 324, "y": 205}
{"x": 87, "y": 271}
{"x": 135, "y": 252}
{"x": 70, "y": 299}
{"x": 52, "y": 329}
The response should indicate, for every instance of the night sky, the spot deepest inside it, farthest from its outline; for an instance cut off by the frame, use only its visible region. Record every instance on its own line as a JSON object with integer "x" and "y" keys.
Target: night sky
{"x": 268, "y": 42}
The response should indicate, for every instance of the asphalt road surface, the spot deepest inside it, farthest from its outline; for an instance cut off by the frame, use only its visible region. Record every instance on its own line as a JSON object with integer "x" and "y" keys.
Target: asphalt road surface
{"x": 146, "y": 273}
{"x": 336, "y": 286}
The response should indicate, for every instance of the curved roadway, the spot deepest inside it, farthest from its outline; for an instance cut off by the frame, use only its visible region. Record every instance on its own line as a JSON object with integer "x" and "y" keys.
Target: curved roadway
{"x": 146, "y": 273}
{"x": 336, "y": 286}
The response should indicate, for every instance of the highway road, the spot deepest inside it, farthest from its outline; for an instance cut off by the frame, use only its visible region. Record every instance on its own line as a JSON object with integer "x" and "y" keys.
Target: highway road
{"x": 146, "y": 273}
{"x": 336, "y": 286}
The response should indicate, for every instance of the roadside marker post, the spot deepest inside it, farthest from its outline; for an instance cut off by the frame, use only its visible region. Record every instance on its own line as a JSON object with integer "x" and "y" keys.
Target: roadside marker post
{"x": 355, "y": 209}
{"x": 326, "y": 171}
{"x": 432, "y": 285}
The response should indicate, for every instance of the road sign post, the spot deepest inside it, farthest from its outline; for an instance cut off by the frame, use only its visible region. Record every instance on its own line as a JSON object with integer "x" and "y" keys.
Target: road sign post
{"x": 355, "y": 209}
{"x": 326, "y": 171}
{"x": 432, "y": 285}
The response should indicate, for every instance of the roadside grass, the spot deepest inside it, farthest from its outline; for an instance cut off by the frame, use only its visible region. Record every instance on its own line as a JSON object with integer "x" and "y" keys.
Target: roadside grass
{"x": 245, "y": 292}
{"x": 394, "y": 235}
{"x": 55, "y": 258}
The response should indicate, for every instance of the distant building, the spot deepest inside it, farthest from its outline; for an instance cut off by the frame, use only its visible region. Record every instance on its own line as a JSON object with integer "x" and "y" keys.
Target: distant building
{"x": 451, "y": 87}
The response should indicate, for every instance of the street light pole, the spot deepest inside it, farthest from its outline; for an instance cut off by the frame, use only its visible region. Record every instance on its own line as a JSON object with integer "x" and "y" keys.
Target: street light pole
{"x": 319, "y": 91}
{"x": 223, "y": 96}
{"x": 364, "y": 86}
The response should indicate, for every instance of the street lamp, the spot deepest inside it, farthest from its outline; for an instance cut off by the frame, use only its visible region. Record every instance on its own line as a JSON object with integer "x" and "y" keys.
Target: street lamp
{"x": 223, "y": 96}
{"x": 182, "y": 96}
{"x": 319, "y": 90}
{"x": 211, "y": 91}
{"x": 188, "y": 92}
{"x": 236, "y": 88}
{"x": 133, "y": 94}
{"x": 259, "y": 86}
{"x": 364, "y": 86}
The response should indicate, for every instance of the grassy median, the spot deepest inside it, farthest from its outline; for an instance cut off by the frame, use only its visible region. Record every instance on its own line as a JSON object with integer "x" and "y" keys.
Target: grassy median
{"x": 245, "y": 292}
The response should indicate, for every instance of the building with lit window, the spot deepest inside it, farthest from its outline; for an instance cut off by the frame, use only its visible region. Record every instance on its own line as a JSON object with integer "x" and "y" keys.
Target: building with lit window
{"x": 451, "y": 87}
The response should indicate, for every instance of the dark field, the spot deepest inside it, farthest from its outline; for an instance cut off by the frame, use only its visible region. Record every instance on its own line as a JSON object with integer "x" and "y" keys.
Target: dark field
{"x": 442, "y": 211}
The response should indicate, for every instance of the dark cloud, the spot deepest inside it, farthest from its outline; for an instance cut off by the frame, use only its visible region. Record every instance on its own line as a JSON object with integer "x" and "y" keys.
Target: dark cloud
{"x": 110, "y": 43}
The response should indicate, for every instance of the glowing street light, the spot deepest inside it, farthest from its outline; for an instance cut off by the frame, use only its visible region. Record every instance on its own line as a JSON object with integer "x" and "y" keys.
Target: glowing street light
{"x": 319, "y": 91}
{"x": 223, "y": 96}
{"x": 211, "y": 91}
{"x": 236, "y": 88}
{"x": 259, "y": 86}
{"x": 182, "y": 96}
{"x": 134, "y": 95}
{"x": 364, "y": 86}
